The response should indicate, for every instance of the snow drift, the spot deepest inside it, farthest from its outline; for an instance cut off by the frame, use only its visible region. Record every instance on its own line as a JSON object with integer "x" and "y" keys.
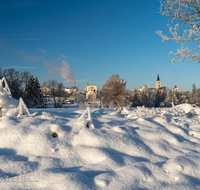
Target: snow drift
{"x": 138, "y": 149}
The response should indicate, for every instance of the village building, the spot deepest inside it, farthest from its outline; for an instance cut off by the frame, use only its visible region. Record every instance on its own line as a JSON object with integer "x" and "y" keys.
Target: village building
{"x": 158, "y": 83}
{"x": 148, "y": 88}
{"x": 45, "y": 90}
{"x": 91, "y": 92}
{"x": 176, "y": 89}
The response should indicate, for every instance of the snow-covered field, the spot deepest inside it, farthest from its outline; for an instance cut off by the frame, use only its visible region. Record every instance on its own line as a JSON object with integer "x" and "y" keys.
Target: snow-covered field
{"x": 138, "y": 149}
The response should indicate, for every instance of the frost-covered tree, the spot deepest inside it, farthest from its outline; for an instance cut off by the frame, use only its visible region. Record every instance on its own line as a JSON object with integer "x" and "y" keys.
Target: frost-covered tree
{"x": 100, "y": 96}
{"x": 33, "y": 96}
{"x": 60, "y": 95}
{"x": 158, "y": 98}
{"x": 188, "y": 96}
{"x": 114, "y": 90}
{"x": 1, "y": 73}
{"x": 74, "y": 93}
{"x": 17, "y": 81}
{"x": 14, "y": 80}
{"x": 178, "y": 95}
{"x": 194, "y": 94}
{"x": 147, "y": 98}
{"x": 171, "y": 97}
{"x": 184, "y": 26}
{"x": 60, "y": 90}
{"x": 38, "y": 93}
{"x": 56, "y": 92}
{"x": 30, "y": 93}
{"x": 151, "y": 99}
{"x": 183, "y": 99}
{"x": 136, "y": 99}
{"x": 143, "y": 98}
{"x": 25, "y": 77}
{"x": 198, "y": 96}
{"x": 53, "y": 84}
{"x": 45, "y": 95}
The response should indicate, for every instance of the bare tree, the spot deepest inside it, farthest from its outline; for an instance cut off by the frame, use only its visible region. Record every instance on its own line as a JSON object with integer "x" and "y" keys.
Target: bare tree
{"x": 52, "y": 84}
{"x": 25, "y": 78}
{"x": 45, "y": 95}
{"x": 136, "y": 98}
{"x": 198, "y": 96}
{"x": 171, "y": 97}
{"x": 33, "y": 96}
{"x": 184, "y": 26}
{"x": 14, "y": 80}
{"x": 78, "y": 96}
{"x": 194, "y": 94}
{"x": 188, "y": 97}
{"x": 60, "y": 95}
{"x": 1, "y": 73}
{"x": 100, "y": 96}
{"x": 114, "y": 91}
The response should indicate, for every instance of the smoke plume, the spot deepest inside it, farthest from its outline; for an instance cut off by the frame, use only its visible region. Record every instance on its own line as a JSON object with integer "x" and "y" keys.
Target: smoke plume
{"x": 64, "y": 71}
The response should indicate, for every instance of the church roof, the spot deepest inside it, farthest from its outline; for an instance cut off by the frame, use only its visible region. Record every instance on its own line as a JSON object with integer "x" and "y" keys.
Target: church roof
{"x": 158, "y": 78}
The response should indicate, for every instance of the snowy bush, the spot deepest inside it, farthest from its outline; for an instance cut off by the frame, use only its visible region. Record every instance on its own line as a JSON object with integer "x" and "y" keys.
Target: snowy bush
{"x": 140, "y": 112}
{"x": 114, "y": 91}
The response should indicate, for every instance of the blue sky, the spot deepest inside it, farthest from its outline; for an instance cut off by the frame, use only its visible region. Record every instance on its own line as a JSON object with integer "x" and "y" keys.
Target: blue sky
{"x": 95, "y": 38}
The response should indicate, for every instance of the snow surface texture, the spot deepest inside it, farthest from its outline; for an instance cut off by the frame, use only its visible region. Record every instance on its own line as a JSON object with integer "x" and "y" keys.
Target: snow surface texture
{"x": 141, "y": 148}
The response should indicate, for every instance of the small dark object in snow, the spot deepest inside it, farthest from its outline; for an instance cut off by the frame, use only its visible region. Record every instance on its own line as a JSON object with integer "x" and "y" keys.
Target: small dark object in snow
{"x": 189, "y": 114}
{"x": 192, "y": 134}
{"x": 87, "y": 125}
{"x": 1, "y": 111}
{"x": 54, "y": 135}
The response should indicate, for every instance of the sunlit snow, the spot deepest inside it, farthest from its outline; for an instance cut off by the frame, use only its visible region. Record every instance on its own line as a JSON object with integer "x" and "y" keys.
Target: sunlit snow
{"x": 140, "y": 148}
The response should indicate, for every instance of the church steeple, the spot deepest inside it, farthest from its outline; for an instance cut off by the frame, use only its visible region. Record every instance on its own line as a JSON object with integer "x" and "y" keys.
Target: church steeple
{"x": 158, "y": 83}
{"x": 158, "y": 78}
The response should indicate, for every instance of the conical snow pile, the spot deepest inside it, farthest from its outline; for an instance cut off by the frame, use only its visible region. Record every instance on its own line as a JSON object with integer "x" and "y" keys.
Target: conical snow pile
{"x": 6, "y": 88}
{"x": 8, "y": 104}
{"x": 88, "y": 122}
{"x": 22, "y": 109}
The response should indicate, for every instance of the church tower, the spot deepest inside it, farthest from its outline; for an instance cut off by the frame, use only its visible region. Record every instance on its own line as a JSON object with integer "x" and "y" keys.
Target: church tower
{"x": 158, "y": 83}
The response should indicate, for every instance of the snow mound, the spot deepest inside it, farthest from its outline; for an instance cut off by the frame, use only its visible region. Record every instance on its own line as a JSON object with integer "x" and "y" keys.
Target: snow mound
{"x": 185, "y": 107}
{"x": 151, "y": 149}
{"x": 46, "y": 115}
{"x": 9, "y": 104}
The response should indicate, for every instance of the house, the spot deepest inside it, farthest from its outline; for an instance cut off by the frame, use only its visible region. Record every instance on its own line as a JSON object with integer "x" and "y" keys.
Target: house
{"x": 68, "y": 90}
{"x": 91, "y": 92}
{"x": 176, "y": 89}
{"x": 45, "y": 90}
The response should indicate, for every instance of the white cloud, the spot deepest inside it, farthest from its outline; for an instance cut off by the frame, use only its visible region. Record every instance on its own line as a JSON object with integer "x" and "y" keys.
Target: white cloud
{"x": 42, "y": 51}
{"x": 77, "y": 60}
{"x": 31, "y": 58}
